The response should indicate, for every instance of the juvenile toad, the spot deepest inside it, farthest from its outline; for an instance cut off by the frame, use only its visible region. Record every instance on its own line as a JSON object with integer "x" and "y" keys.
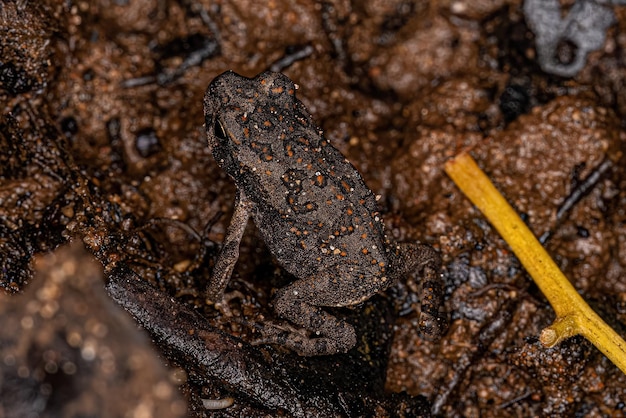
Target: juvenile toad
{"x": 312, "y": 209}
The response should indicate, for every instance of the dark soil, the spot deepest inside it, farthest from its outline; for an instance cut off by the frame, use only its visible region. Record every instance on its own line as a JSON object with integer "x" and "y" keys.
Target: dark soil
{"x": 102, "y": 143}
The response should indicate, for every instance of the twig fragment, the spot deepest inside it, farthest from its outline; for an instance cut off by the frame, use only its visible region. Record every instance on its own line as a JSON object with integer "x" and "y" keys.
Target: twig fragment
{"x": 573, "y": 315}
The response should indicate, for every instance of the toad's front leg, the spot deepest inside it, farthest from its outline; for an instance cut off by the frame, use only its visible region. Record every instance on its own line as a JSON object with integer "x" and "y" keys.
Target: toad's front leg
{"x": 229, "y": 254}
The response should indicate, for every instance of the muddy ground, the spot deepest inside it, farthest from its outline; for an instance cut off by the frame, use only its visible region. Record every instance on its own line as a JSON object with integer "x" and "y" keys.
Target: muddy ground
{"x": 101, "y": 132}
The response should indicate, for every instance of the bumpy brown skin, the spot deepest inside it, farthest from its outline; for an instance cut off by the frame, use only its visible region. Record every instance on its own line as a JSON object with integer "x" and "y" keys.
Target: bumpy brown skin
{"x": 313, "y": 210}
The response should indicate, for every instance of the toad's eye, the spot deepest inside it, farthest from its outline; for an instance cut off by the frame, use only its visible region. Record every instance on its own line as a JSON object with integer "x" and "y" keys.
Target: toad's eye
{"x": 219, "y": 130}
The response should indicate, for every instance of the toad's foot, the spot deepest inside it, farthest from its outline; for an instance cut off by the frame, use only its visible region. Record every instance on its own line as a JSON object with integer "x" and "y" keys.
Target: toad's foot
{"x": 327, "y": 334}
{"x": 297, "y": 339}
{"x": 223, "y": 306}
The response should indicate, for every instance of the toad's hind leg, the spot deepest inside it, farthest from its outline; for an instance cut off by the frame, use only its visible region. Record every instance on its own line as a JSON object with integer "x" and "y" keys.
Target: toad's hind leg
{"x": 432, "y": 321}
{"x": 300, "y": 304}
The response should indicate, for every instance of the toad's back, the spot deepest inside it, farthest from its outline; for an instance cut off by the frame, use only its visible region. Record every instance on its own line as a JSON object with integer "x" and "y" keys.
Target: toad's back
{"x": 311, "y": 206}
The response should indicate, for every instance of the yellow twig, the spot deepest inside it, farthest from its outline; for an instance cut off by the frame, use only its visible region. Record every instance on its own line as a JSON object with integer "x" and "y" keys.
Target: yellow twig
{"x": 573, "y": 315}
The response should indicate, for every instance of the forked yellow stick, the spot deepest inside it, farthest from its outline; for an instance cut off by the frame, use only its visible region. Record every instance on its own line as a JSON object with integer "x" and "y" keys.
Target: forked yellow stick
{"x": 573, "y": 315}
